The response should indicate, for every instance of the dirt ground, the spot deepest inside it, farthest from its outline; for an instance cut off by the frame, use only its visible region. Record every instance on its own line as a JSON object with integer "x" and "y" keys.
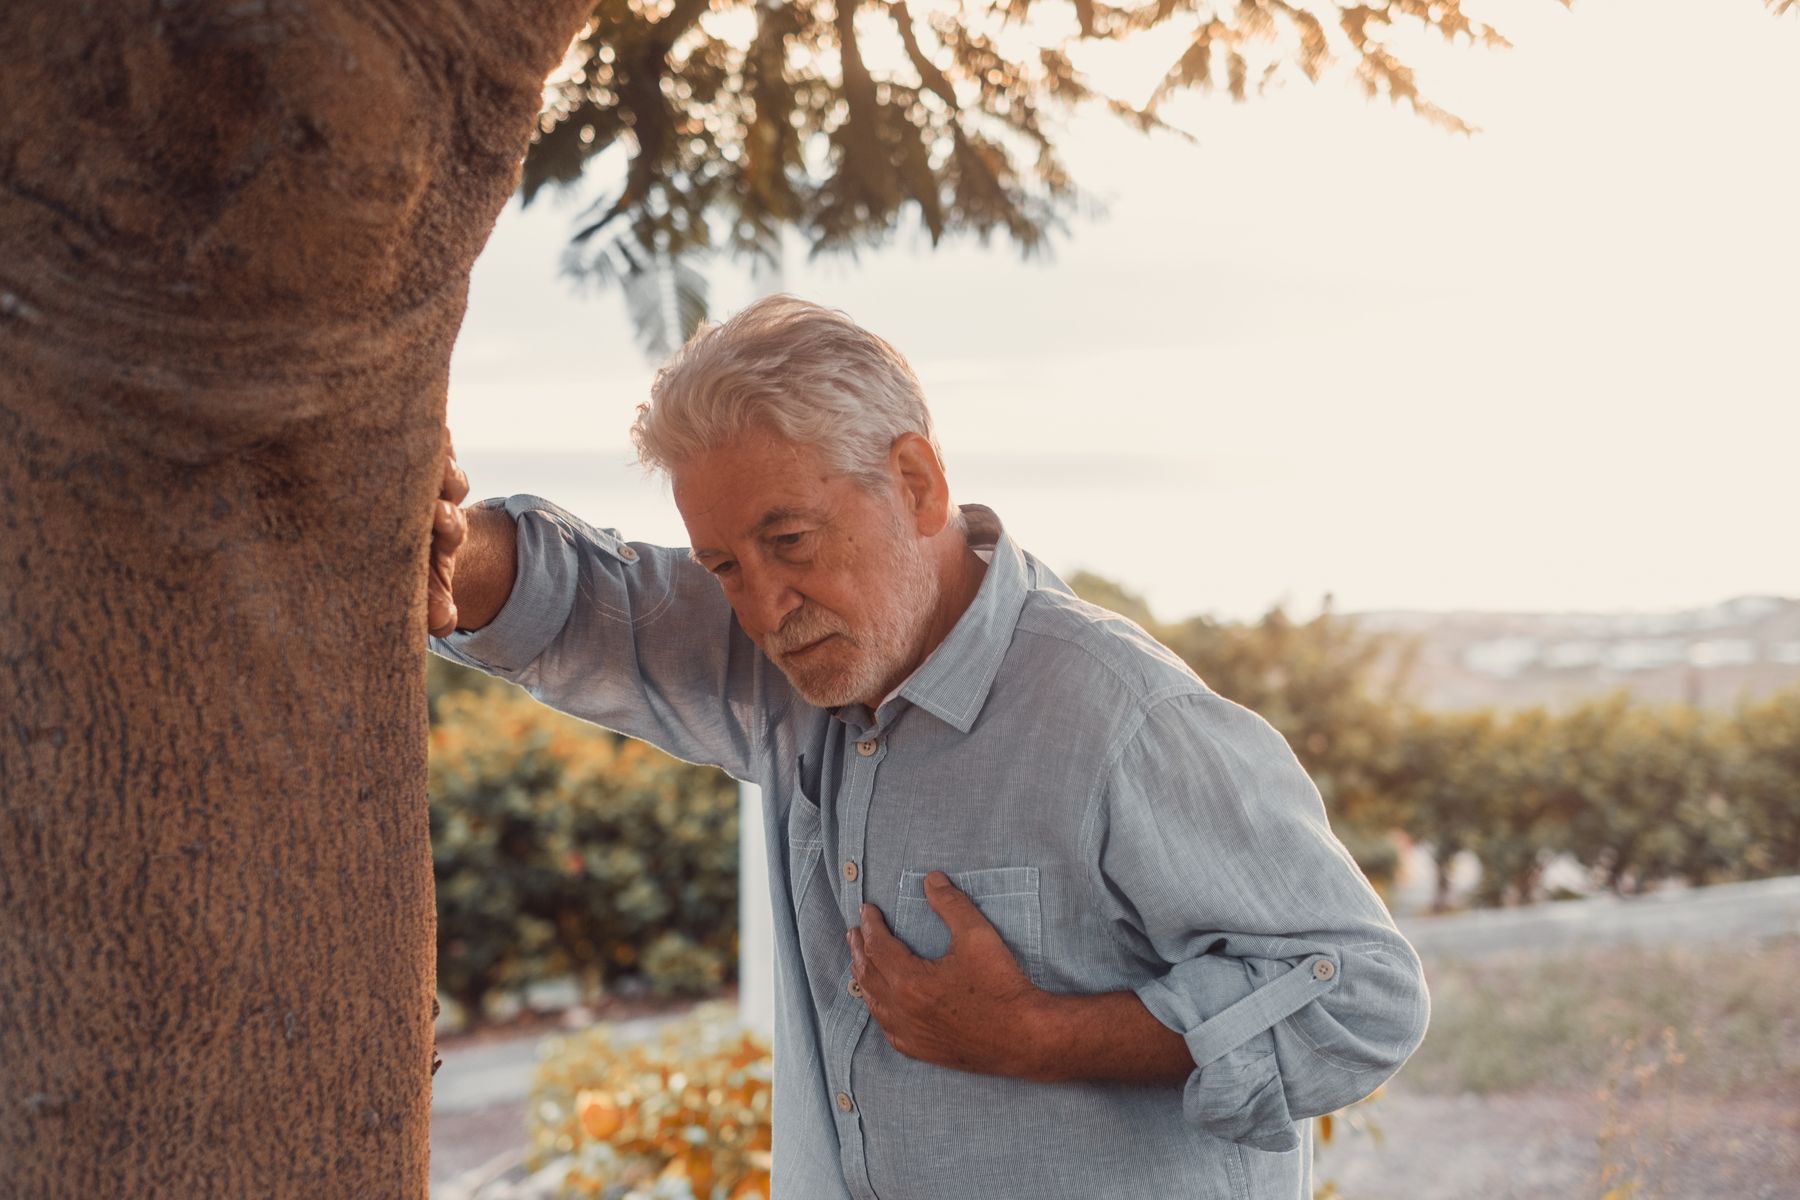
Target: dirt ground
{"x": 1547, "y": 1146}
{"x": 1524, "y": 1146}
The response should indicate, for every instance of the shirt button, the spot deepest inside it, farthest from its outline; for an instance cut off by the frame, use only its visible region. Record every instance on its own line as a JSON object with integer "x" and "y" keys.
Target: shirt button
{"x": 856, "y": 988}
{"x": 866, "y": 747}
{"x": 844, "y": 1102}
{"x": 1323, "y": 969}
{"x": 850, "y": 871}
{"x": 627, "y": 553}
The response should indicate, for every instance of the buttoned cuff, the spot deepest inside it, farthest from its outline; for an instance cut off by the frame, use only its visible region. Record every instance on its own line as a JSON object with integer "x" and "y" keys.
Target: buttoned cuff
{"x": 1235, "y": 1091}
{"x": 546, "y": 574}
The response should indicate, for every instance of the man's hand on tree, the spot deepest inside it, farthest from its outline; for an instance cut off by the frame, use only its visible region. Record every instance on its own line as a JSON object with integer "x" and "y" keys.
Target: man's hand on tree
{"x": 449, "y": 528}
{"x": 969, "y": 1010}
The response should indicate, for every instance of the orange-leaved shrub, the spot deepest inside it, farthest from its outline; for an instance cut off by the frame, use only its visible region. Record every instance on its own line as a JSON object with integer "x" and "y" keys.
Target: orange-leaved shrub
{"x": 685, "y": 1114}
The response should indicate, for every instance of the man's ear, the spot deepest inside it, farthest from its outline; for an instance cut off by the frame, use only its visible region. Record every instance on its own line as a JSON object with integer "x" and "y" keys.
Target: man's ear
{"x": 923, "y": 488}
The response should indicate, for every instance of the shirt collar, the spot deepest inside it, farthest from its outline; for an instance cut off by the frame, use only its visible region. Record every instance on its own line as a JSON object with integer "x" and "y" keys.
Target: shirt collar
{"x": 954, "y": 680}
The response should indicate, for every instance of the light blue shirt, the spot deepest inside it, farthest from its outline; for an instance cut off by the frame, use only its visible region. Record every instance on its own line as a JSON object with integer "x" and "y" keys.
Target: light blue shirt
{"x": 1123, "y": 827}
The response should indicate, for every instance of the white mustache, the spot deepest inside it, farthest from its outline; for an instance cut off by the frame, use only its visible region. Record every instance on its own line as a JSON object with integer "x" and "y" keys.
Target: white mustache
{"x": 802, "y": 629}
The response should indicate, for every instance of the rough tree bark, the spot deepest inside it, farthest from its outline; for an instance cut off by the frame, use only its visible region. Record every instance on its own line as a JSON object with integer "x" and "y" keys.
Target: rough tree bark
{"x": 235, "y": 241}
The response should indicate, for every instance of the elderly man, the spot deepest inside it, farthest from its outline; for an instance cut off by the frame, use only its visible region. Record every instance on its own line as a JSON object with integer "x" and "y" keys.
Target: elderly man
{"x": 1052, "y": 919}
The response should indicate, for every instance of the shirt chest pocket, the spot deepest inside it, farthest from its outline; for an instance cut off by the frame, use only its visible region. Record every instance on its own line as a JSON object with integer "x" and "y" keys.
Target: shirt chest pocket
{"x": 1006, "y": 896}
{"x": 805, "y": 845}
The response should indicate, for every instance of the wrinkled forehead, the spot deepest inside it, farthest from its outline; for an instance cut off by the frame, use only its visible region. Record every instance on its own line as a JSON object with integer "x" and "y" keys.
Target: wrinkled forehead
{"x": 738, "y": 489}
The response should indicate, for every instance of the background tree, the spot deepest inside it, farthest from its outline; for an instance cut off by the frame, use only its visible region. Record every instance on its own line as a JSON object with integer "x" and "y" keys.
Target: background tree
{"x": 735, "y": 119}
{"x": 1331, "y": 689}
{"x": 1526, "y": 807}
{"x": 1436, "y": 779}
{"x": 1322, "y": 682}
{"x": 1646, "y": 792}
{"x": 235, "y": 242}
{"x": 1763, "y": 747}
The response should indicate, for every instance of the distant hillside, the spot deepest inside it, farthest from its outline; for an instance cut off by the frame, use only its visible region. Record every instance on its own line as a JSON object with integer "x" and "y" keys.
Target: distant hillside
{"x": 1711, "y": 656}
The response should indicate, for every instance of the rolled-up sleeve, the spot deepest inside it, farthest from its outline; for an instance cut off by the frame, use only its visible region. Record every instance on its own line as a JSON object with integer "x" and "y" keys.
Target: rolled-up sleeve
{"x": 546, "y": 577}
{"x": 634, "y": 637}
{"x": 1269, "y": 951}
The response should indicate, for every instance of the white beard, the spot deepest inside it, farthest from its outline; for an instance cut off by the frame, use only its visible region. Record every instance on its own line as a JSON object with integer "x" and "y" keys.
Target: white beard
{"x": 852, "y": 666}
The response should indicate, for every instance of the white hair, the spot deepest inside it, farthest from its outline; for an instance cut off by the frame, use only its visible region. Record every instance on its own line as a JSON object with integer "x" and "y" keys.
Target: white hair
{"x": 785, "y": 366}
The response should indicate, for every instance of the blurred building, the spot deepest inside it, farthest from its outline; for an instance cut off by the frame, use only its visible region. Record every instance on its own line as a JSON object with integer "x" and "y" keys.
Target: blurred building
{"x": 1742, "y": 648}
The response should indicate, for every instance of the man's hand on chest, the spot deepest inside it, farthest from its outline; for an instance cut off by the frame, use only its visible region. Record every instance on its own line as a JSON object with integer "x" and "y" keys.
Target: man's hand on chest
{"x": 975, "y": 1010}
{"x": 965, "y": 1010}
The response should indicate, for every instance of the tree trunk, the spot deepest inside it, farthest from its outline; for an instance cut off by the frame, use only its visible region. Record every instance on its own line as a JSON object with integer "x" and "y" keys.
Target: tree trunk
{"x": 234, "y": 247}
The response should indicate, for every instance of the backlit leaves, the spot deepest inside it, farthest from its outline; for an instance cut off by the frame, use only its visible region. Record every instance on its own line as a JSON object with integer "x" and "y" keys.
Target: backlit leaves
{"x": 847, "y": 121}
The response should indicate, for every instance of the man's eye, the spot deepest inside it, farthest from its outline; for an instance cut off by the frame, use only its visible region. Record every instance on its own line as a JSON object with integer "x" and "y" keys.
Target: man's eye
{"x": 724, "y": 568}
{"x": 787, "y": 541}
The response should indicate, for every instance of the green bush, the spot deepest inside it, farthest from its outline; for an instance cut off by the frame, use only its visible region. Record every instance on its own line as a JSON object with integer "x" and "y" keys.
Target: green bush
{"x": 561, "y": 849}
{"x": 444, "y": 678}
{"x": 1649, "y": 794}
{"x": 564, "y": 850}
{"x": 1636, "y": 793}
{"x": 1763, "y": 772}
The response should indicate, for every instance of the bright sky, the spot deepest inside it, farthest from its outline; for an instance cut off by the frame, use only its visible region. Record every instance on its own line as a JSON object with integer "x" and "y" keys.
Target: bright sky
{"x": 1329, "y": 348}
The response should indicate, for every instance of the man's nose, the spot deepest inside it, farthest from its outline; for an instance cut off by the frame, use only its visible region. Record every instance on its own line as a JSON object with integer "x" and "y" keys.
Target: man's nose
{"x": 767, "y": 598}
